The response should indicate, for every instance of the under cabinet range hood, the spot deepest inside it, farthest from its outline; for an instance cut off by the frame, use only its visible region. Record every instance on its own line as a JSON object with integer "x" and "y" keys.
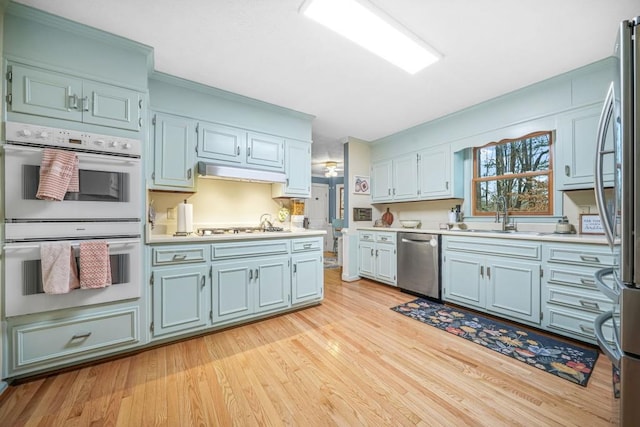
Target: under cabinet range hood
{"x": 215, "y": 171}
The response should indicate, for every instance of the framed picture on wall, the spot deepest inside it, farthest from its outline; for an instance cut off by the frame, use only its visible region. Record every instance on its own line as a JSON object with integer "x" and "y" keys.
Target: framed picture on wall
{"x": 361, "y": 185}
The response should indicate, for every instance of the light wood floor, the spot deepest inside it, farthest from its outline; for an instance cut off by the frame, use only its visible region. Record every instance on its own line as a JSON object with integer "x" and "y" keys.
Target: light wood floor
{"x": 349, "y": 361}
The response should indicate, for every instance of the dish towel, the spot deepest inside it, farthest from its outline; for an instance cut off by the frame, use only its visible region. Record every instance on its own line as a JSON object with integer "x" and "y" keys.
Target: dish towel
{"x": 59, "y": 269}
{"x": 58, "y": 174}
{"x": 95, "y": 267}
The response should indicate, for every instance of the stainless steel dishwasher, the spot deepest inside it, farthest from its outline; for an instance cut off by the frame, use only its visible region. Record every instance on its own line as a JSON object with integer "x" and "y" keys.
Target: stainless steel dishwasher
{"x": 419, "y": 264}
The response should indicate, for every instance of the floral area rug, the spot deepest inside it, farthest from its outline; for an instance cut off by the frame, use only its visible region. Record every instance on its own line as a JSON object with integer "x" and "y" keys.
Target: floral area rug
{"x": 562, "y": 359}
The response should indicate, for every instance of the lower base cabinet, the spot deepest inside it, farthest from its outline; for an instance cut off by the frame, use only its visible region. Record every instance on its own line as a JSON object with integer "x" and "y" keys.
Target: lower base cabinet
{"x": 307, "y": 271}
{"x": 497, "y": 276}
{"x": 245, "y": 288}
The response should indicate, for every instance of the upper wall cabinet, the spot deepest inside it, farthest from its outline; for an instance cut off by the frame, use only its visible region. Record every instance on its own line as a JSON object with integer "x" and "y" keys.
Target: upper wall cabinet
{"x": 395, "y": 180}
{"x": 45, "y": 93}
{"x": 297, "y": 167}
{"x": 576, "y": 149}
{"x": 436, "y": 177}
{"x": 225, "y": 144}
{"x": 174, "y": 152}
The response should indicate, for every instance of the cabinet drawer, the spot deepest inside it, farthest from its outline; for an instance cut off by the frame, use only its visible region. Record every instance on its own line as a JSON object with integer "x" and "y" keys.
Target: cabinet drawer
{"x": 566, "y": 275}
{"x": 386, "y": 237}
{"x": 305, "y": 245}
{"x": 510, "y": 248}
{"x": 174, "y": 255}
{"x": 367, "y": 236}
{"x": 592, "y": 255}
{"x": 248, "y": 249}
{"x": 575, "y": 323}
{"x": 592, "y": 301}
{"x": 43, "y": 342}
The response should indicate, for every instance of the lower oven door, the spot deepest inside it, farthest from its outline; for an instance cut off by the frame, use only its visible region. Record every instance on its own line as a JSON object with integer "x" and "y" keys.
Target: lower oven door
{"x": 109, "y": 187}
{"x": 23, "y": 278}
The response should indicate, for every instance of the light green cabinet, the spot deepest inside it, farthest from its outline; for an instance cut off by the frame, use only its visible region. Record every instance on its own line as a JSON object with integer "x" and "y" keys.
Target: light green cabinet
{"x": 179, "y": 299}
{"x": 571, "y": 301}
{"x": 221, "y": 143}
{"x": 395, "y": 179}
{"x": 306, "y": 270}
{"x": 436, "y": 173}
{"x": 174, "y": 152}
{"x": 496, "y": 275}
{"x": 179, "y": 289}
{"x": 265, "y": 151}
{"x": 377, "y": 256}
{"x": 297, "y": 161}
{"x": 50, "y": 94}
{"x": 576, "y": 149}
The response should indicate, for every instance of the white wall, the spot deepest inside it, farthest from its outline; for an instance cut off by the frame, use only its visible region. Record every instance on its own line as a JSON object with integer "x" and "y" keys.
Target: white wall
{"x": 359, "y": 165}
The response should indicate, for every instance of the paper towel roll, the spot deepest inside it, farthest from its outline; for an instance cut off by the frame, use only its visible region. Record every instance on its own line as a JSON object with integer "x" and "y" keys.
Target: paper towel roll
{"x": 185, "y": 218}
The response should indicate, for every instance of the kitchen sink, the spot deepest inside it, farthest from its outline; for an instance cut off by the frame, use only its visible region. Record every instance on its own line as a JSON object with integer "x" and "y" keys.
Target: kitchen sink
{"x": 530, "y": 233}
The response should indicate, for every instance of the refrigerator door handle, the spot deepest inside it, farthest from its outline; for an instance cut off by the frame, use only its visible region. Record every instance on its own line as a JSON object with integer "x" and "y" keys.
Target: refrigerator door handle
{"x": 612, "y": 294}
{"x": 603, "y": 125}
{"x": 614, "y": 354}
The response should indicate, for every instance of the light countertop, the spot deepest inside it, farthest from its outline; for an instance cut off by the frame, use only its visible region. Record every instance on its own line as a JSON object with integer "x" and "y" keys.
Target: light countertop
{"x": 194, "y": 238}
{"x": 522, "y": 235}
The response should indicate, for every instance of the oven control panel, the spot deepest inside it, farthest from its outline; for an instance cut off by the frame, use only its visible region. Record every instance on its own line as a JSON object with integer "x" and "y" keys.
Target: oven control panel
{"x": 71, "y": 139}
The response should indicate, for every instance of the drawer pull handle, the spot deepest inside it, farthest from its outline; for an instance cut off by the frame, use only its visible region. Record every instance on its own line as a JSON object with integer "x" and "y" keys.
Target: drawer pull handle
{"x": 589, "y": 304}
{"x": 589, "y": 258}
{"x": 384, "y": 239}
{"x": 587, "y": 281}
{"x": 587, "y": 329}
{"x": 178, "y": 257}
{"x": 307, "y": 246}
{"x": 81, "y": 335}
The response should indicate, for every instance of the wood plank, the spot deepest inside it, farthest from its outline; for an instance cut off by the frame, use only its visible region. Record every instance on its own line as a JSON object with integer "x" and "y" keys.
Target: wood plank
{"x": 349, "y": 361}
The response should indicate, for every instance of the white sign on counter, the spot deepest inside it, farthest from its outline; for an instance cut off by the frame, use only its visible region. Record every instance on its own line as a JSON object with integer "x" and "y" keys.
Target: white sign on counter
{"x": 590, "y": 224}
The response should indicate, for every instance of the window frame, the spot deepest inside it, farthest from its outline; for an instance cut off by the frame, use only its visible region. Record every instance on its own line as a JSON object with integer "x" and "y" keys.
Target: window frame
{"x": 475, "y": 179}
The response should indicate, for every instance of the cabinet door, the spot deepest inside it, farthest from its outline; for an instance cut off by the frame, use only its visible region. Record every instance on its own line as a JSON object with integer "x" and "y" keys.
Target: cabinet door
{"x": 513, "y": 288}
{"x": 434, "y": 173}
{"x": 45, "y": 93}
{"x": 576, "y": 148}
{"x": 179, "y": 301}
{"x": 174, "y": 151}
{"x": 231, "y": 296}
{"x": 112, "y": 106}
{"x": 405, "y": 178}
{"x": 463, "y": 280}
{"x": 298, "y": 169}
{"x": 381, "y": 181}
{"x": 265, "y": 151}
{"x": 219, "y": 142}
{"x": 366, "y": 257}
{"x": 306, "y": 278}
{"x": 272, "y": 282}
{"x": 386, "y": 263}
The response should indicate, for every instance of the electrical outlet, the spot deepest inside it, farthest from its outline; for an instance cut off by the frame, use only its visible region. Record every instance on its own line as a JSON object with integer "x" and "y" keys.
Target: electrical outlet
{"x": 171, "y": 213}
{"x": 583, "y": 209}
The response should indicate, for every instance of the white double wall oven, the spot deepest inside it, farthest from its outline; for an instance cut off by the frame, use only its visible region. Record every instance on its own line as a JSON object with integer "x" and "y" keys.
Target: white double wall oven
{"x": 107, "y": 207}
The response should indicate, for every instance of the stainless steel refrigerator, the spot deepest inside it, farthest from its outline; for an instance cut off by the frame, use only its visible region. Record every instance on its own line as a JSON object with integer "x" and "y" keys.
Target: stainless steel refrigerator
{"x": 619, "y": 210}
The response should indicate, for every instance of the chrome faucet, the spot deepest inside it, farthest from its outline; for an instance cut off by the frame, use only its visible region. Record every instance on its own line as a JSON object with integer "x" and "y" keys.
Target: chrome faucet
{"x": 501, "y": 202}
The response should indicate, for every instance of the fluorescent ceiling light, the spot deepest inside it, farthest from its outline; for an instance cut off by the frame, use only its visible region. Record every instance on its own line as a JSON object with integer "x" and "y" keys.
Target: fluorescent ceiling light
{"x": 374, "y": 31}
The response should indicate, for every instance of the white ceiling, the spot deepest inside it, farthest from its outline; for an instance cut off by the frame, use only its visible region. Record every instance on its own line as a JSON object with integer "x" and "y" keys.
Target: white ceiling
{"x": 265, "y": 49}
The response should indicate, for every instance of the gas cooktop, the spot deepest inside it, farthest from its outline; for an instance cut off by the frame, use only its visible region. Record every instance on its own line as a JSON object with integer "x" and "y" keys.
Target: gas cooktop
{"x": 238, "y": 230}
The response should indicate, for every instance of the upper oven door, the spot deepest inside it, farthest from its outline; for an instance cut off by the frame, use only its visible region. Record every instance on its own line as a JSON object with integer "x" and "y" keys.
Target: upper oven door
{"x": 109, "y": 188}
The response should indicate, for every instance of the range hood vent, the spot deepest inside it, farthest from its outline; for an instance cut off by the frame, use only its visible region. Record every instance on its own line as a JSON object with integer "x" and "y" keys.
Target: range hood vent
{"x": 211, "y": 170}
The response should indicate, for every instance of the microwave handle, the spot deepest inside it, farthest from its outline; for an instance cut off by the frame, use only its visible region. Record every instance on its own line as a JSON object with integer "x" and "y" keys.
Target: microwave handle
{"x": 103, "y": 158}
{"x": 612, "y": 352}
{"x": 603, "y": 125}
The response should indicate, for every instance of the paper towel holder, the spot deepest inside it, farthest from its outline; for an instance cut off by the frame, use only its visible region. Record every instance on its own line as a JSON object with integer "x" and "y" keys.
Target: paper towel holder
{"x": 182, "y": 233}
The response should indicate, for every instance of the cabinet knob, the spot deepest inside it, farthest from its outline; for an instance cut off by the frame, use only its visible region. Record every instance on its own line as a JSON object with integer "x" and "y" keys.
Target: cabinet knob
{"x": 567, "y": 170}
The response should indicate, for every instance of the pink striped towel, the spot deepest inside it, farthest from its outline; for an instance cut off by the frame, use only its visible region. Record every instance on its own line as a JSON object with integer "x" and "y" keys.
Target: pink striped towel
{"x": 95, "y": 267}
{"x": 58, "y": 174}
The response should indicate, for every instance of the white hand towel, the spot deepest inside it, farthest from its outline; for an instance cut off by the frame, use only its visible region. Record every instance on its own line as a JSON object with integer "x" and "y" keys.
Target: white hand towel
{"x": 95, "y": 266}
{"x": 58, "y": 174}
{"x": 59, "y": 270}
